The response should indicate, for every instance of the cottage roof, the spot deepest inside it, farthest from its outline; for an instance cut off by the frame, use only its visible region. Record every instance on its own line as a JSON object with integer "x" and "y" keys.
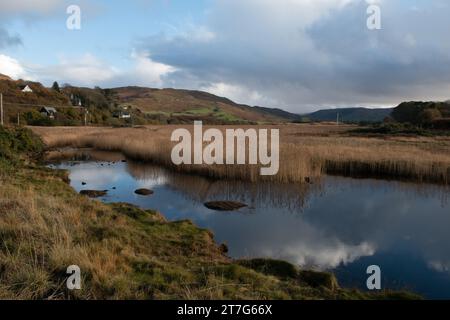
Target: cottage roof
{"x": 49, "y": 109}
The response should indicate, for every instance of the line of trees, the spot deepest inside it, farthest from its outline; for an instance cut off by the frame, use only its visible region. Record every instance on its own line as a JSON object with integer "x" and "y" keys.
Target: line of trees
{"x": 426, "y": 114}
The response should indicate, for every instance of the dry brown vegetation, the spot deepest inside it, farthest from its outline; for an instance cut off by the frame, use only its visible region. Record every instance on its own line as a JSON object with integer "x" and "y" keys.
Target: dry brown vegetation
{"x": 123, "y": 252}
{"x": 187, "y": 102}
{"x": 306, "y": 151}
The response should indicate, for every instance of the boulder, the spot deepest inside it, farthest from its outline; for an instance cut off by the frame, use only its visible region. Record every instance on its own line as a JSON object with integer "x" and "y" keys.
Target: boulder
{"x": 225, "y": 205}
{"x": 144, "y": 192}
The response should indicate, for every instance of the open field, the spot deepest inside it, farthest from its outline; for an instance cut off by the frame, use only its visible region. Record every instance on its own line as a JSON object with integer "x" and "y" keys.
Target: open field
{"x": 306, "y": 151}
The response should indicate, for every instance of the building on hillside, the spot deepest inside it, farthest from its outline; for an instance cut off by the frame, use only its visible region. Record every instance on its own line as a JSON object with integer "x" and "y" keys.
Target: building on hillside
{"x": 26, "y": 88}
{"x": 75, "y": 100}
{"x": 122, "y": 115}
{"x": 48, "y": 112}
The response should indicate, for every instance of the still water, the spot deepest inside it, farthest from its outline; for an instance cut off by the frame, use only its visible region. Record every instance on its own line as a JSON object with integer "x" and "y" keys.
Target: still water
{"x": 337, "y": 224}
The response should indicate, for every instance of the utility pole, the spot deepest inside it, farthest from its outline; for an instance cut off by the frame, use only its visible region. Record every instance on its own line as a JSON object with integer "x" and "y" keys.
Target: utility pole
{"x": 85, "y": 116}
{"x": 337, "y": 118}
{"x": 1, "y": 107}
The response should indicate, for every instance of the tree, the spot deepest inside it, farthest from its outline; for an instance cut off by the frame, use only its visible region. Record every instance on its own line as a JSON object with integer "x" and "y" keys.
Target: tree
{"x": 56, "y": 87}
{"x": 428, "y": 116}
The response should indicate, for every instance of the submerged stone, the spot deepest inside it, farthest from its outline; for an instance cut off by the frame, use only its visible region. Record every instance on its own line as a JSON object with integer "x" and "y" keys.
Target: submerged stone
{"x": 144, "y": 192}
{"x": 225, "y": 205}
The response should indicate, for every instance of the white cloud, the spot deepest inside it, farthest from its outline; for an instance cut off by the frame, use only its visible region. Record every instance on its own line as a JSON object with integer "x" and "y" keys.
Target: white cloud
{"x": 147, "y": 72}
{"x": 13, "y": 68}
{"x": 238, "y": 94}
{"x": 439, "y": 266}
{"x": 307, "y": 54}
{"x": 327, "y": 256}
{"x": 88, "y": 70}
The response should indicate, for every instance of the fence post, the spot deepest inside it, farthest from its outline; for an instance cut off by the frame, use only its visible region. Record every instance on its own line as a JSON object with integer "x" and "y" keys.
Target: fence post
{"x": 1, "y": 107}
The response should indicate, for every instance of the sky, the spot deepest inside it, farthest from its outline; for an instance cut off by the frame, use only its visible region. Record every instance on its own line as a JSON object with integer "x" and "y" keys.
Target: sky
{"x": 298, "y": 55}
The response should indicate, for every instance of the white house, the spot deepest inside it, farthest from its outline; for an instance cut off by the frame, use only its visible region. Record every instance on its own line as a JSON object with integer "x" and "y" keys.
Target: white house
{"x": 26, "y": 88}
{"x": 122, "y": 115}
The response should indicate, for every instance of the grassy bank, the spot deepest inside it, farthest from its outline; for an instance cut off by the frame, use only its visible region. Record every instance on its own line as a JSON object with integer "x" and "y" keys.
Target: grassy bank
{"x": 306, "y": 151}
{"x": 123, "y": 252}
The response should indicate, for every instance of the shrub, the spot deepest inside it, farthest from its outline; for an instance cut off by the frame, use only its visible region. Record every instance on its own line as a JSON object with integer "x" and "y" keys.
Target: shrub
{"x": 14, "y": 143}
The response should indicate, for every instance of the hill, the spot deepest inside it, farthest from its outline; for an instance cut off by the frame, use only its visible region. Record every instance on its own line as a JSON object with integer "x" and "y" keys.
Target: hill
{"x": 4, "y": 77}
{"x": 183, "y": 106}
{"x": 429, "y": 114}
{"x": 25, "y": 106}
{"x": 280, "y": 113}
{"x": 146, "y": 105}
{"x": 350, "y": 115}
{"x": 12, "y": 92}
{"x": 154, "y": 106}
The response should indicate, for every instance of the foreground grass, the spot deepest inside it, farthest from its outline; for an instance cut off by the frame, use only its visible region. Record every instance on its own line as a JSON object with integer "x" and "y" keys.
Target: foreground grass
{"x": 123, "y": 252}
{"x": 306, "y": 151}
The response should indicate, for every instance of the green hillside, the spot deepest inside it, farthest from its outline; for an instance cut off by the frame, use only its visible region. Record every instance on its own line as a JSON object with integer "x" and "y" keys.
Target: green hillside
{"x": 427, "y": 114}
{"x": 145, "y": 105}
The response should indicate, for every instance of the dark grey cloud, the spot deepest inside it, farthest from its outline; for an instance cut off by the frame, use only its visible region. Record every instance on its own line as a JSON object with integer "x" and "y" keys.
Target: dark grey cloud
{"x": 303, "y": 55}
{"x": 7, "y": 40}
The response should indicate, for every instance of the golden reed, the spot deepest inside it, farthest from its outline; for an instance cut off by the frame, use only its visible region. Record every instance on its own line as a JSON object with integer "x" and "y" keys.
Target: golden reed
{"x": 306, "y": 152}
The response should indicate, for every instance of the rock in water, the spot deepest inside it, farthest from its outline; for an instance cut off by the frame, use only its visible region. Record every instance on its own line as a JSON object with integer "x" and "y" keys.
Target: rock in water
{"x": 94, "y": 193}
{"x": 225, "y": 205}
{"x": 143, "y": 192}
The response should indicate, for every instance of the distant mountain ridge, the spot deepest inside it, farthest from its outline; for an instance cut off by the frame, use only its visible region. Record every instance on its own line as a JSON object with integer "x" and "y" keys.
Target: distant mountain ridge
{"x": 280, "y": 113}
{"x": 350, "y": 114}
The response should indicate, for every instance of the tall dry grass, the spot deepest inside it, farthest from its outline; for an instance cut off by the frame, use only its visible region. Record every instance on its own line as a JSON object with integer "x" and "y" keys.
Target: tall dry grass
{"x": 305, "y": 152}
{"x": 123, "y": 252}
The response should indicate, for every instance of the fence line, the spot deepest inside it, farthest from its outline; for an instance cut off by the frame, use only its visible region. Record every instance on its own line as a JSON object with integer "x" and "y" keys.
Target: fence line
{"x": 42, "y": 105}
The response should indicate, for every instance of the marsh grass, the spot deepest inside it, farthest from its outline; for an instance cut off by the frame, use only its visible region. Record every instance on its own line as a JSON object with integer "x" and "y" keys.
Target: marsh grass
{"x": 123, "y": 252}
{"x": 306, "y": 152}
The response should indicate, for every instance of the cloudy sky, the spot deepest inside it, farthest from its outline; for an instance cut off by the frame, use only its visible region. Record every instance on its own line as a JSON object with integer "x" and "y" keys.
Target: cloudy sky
{"x": 300, "y": 55}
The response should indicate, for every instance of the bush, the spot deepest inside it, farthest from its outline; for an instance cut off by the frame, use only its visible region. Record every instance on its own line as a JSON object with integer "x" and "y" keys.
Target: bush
{"x": 14, "y": 143}
{"x": 34, "y": 118}
{"x": 278, "y": 268}
{"x": 392, "y": 129}
{"x": 420, "y": 113}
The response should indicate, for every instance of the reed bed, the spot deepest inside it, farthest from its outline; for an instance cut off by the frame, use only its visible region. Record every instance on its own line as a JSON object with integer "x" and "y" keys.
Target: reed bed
{"x": 306, "y": 152}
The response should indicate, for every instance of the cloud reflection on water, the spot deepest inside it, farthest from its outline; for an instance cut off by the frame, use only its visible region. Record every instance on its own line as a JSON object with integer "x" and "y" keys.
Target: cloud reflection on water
{"x": 333, "y": 223}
